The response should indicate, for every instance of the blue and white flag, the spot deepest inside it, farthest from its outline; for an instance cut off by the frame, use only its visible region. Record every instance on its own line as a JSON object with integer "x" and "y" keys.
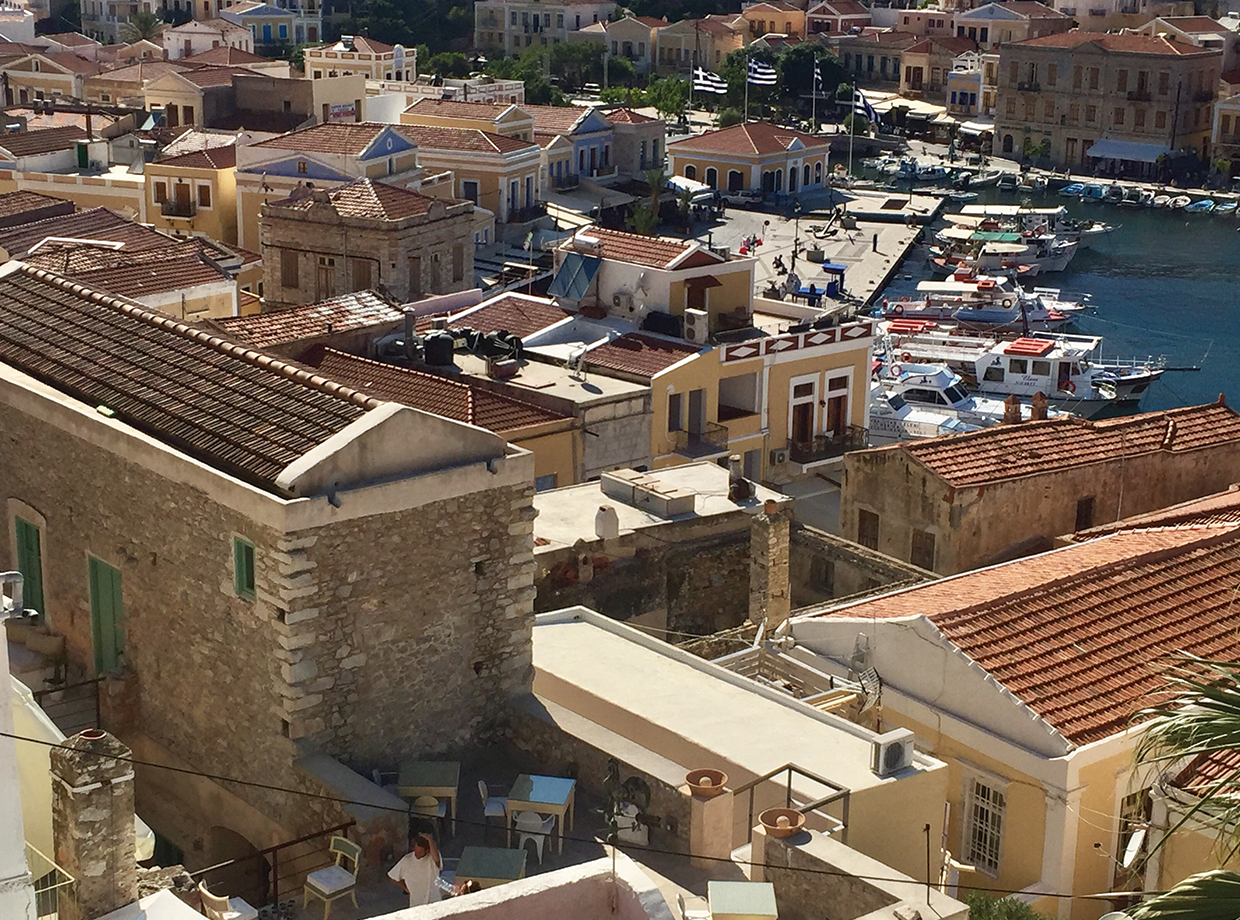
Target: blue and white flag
{"x": 861, "y": 106}
{"x": 761, "y": 74}
{"x": 706, "y": 82}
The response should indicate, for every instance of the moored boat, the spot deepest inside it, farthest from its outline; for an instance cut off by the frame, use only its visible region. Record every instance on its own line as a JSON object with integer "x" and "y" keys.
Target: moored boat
{"x": 1201, "y": 206}
{"x": 1179, "y": 202}
{"x": 1072, "y": 190}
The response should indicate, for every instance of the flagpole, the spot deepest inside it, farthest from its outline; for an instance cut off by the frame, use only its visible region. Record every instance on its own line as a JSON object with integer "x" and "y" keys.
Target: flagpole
{"x": 852, "y": 125}
{"x": 813, "y": 124}
{"x": 746, "y": 86}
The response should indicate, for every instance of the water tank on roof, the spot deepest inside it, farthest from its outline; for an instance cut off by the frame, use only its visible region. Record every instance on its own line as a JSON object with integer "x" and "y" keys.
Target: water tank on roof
{"x": 439, "y": 347}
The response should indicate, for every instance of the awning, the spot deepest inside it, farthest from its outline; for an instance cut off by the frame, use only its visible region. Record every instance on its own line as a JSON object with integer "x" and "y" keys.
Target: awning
{"x": 994, "y": 236}
{"x": 977, "y": 127}
{"x": 574, "y": 277}
{"x": 1134, "y": 151}
{"x": 703, "y": 281}
{"x": 834, "y": 268}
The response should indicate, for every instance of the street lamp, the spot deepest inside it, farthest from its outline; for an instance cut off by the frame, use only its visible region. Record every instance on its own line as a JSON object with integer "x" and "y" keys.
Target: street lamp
{"x": 796, "y": 232}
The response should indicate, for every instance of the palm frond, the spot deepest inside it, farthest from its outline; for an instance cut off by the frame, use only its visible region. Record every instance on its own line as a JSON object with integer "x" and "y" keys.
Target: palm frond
{"x": 1209, "y": 896}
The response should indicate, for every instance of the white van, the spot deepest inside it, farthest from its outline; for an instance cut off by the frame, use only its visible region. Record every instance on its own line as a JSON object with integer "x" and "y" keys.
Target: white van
{"x": 701, "y": 192}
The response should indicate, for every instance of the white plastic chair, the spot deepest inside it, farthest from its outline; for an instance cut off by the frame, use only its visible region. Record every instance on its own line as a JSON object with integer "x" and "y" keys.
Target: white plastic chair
{"x": 493, "y": 806}
{"x": 533, "y": 826}
{"x": 697, "y": 913}
{"x": 223, "y": 908}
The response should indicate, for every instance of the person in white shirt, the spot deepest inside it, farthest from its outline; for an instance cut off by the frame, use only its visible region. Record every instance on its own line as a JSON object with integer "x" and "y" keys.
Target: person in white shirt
{"x": 417, "y": 871}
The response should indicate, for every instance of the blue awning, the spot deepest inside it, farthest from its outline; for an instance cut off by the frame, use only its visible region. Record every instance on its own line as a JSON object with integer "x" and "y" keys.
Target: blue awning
{"x": 834, "y": 268}
{"x": 574, "y": 277}
{"x": 1134, "y": 151}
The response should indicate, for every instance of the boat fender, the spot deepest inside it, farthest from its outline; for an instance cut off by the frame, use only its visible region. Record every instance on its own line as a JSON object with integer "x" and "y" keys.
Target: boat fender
{"x": 898, "y": 309}
{"x": 906, "y": 358}
{"x": 1068, "y": 387}
{"x": 884, "y": 303}
{"x": 895, "y": 370}
{"x": 904, "y": 300}
{"x": 1007, "y": 301}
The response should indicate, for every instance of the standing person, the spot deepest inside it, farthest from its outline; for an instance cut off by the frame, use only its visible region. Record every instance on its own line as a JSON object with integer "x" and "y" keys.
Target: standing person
{"x": 417, "y": 871}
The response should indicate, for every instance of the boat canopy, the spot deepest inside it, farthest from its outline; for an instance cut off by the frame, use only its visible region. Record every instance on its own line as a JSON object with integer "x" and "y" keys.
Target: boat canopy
{"x": 1003, "y": 249}
{"x": 956, "y": 233}
{"x": 1009, "y": 210}
{"x": 956, "y": 287}
{"x": 995, "y": 236}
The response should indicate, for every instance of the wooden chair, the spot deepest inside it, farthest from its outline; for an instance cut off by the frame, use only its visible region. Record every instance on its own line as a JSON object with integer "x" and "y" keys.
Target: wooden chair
{"x": 335, "y": 881}
{"x": 221, "y": 908}
{"x": 427, "y": 806}
{"x": 493, "y": 806}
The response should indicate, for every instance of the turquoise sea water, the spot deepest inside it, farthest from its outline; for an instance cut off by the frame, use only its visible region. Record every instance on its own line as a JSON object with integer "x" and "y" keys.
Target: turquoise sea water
{"x": 1164, "y": 283}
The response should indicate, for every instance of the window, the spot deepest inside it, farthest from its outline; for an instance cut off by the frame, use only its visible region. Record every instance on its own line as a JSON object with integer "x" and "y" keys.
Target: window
{"x": 1074, "y": 114}
{"x": 243, "y": 568}
{"x": 30, "y": 563}
{"x": 1163, "y": 79}
{"x": 107, "y": 613}
{"x": 675, "y": 413}
{"x": 1084, "y": 513}
{"x": 288, "y": 269}
{"x": 922, "y": 550}
{"x": 1091, "y": 113}
{"x": 458, "y": 262}
{"x": 361, "y": 274}
{"x": 1013, "y": 72}
{"x": 1134, "y": 818}
{"x": 326, "y": 278}
{"x": 1138, "y": 118}
{"x": 415, "y": 277}
{"x": 1119, "y": 116}
{"x": 993, "y": 374}
{"x": 1093, "y": 78}
{"x": 161, "y": 192}
{"x": 1052, "y": 74}
{"x": 1018, "y": 365}
{"x": 867, "y": 528}
{"x": 1121, "y": 81}
{"x": 1160, "y": 120}
{"x": 1042, "y": 368}
{"x": 302, "y": 168}
{"x": 204, "y": 196}
{"x": 1048, "y": 110}
{"x": 543, "y": 483}
{"x": 983, "y": 826}
{"x": 822, "y": 574}
{"x": 1076, "y": 77}
{"x": 1011, "y": 105}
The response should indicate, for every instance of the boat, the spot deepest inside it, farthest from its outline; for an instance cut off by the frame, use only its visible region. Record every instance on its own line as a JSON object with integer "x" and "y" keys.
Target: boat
{"x": 931, "y": 173}
{"x": 983, "y": 303}
{"x": 1065, "y": 368}
{"x": 1094, "y": 192}
{"x": 1035, "y": 220}
{"x": 963, "y": 196}
{"x": 1225, "y": 207}
{"x": 1007, "y": 182}
{"x": 985, "y": 177}
{"x": 1133, "y": 197}
{"x": 1114, "y": 193}
{"x": 1147, "y": 198}
{"x": 1162, "y": 201}
{"x": 894, "y": 419}
{"x": 1074, "y": 190}
{"x": 1202, "y": 206}
{"x": 937, "y": 388}
{"x": 1179, "y": 202}
{"x": 989, "y": 252}
{"x": 1030, "y": 183}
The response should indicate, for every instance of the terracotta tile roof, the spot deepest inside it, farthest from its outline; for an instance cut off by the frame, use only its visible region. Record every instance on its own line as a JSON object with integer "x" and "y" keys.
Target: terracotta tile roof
{"x": 557, "y": 119}
{"x": 1126, "y": 42}
{"x": 144, "y": 278}
{"x": 451, "y": 108}
{"x": 755, "y": 138}
{"x": 626, "y": 116}
{"x": 952, "y": 44}
{"x": 1232, "y": 77}
{"x": 775, "y": 6}
{"x": 1210, "y": 772}
{"x": 234, "y": 409}
{"x": 515, "y": 313}
{"x": 653, "y": 21}
{"x": 226, "y": 54}
{"x": 208, "y": 25}
{"x": 73, "y": 259}
{"x": 640, "y": 354}
{"x": 365, "y": 198}
{"x": 432, "y": 393}
{"x": 1081, "y": 634}
{"x": 70, "y": 39}
{"x": 48, "y": 140}
{"x": 1033, "y": 9}
{"x": 196, "y": 139}
{"x": 359, "y": 44}
{"x": 469, "y": 139}
{"x": 1220, "y": 508}
{"x": 73, "y": 63}
{"x": 839, "y": 8}
{"x": 714, "y": 24}
{"x": 143, "y": 71}
{"x": 40, "y": 121}
{"x": 214, "y": 76}
{"x": 651, "y": 251}
{"x": 93, "y": 223}
{"x": 345, "y": 313}
{"x": 1009, "y": 452}
{"x": 1194, "y": 23}
{"x": 22, "y": 202}
{"x": 211, "y": 158}
{"x": 350, "y": 138}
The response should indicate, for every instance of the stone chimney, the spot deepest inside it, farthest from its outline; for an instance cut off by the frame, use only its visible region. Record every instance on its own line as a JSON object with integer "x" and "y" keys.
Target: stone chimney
{"x": 769, "y": 587}
{"x": 1038, "y": 412}
{"x": 92, "y": 823}
{"x": 1011, "y": 410}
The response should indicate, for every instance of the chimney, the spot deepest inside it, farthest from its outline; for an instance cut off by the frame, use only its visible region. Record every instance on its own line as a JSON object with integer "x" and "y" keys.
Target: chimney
{"x": 769, "y": 584}
{"x": 606, "y": 523}
{"x": 1038, "y": 412}
{"x": 1011, "y": 410}
{"x": 739, "y": 488}
{"x": 90, "y": 132}
{"x": 92, "y": 823}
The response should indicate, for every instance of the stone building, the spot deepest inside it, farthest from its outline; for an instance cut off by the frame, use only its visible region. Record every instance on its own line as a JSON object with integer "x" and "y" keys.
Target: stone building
{"x": 1091, "y": 98}
{"x": 953, "y": 504}
{"x": 318, "y": 244}
{"x": 258, "y": 559}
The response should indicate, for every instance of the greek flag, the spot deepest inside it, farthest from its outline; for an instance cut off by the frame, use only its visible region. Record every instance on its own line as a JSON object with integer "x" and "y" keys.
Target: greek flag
{"x": 761, "y": 74}
{"x": 861, "y": 106}
{"x": 817, "y": 79}
{"x": 706, "y": 82}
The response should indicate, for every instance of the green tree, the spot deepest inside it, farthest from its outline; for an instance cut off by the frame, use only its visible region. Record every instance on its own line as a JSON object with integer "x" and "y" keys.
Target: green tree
{"x": 142, "y": 25}
{"x": 729, "y": 117}
{"x": 656, "y": 179}
{"x": 856, "y": 124}
{"x": 643, "y": 219}
{"x": 984, "y": 907}
{"x": 1199, "y": 717}
{"x": 624, "y": 95}
{"x": 668, "y": 94}
{"x": 450, "y": 64}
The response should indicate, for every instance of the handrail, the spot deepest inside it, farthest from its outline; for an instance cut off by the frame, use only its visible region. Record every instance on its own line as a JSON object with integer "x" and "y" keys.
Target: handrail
{"x": 94, "y": 682}
{"x": 842, "y": 793}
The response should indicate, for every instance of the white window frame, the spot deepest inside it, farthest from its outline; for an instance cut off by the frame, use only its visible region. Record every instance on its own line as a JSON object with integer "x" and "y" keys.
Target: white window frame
{"x": 816, "y": 380}
{"x": 998, "y": 786}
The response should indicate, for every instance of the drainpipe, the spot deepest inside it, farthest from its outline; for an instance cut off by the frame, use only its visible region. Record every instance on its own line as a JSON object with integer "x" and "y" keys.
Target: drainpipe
{"x": 16, "y": 890}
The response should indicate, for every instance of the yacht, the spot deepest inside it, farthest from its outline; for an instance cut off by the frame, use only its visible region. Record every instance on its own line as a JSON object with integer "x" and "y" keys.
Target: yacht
{"x": 894, "y": 419}
{"x": 1038, "y": 220}
{"x": 983, "y": 302}
{"x": 936, "y": 387}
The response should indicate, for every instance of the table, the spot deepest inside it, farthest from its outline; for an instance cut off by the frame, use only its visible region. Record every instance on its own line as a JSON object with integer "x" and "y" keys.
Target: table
{"x": 430, "y": 777}
{"x": 741, "y": 900}
{"x": 546, "y": 795}
{"x": 490, "y": 866}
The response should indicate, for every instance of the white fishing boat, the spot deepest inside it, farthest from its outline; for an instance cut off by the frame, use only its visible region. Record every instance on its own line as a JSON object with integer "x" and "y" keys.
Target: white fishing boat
{"x": 1038, "y": 220}
{"x": 1162, "y": 201}
{"x": 894, "y": 419}
{"x": 992, "y": 251}
{"x": 1179, "y": 202}
{"x": 983, "y": 302}
{"x": 936, "y": 387}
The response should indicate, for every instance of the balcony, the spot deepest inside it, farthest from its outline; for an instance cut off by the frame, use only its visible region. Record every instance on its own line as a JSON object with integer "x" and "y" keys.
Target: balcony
{"x": 1028, "y": 87}
{"x": 1203, "y": 95}
{"x": 600, "y": 171}
{"x": 565, "y": 182}
{"x": 521, "y": 215}
{"x": 826, "y": 446}
{"x": 173, "y": 208}
{"x": 710, "y": 442}
{"x": 1139, "y": 95}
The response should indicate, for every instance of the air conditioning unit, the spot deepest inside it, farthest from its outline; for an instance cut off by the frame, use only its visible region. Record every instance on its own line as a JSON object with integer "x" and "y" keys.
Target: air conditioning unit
{"x": 622, "y": 300}
{"x": 892, "y": 752}
{"x": 779, "y": 456}
{"x": 697, "y": 324}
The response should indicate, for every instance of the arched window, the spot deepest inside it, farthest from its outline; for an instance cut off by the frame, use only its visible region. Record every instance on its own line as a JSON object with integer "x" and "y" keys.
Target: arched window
{"x": 690, "y": 171}
{"x": 1007, "y": 143}
{"x": 818, "y": 173}
{"x": 736, "y": 181}
{"x": 805, "y": 180}
{"x": 712, "y": 177}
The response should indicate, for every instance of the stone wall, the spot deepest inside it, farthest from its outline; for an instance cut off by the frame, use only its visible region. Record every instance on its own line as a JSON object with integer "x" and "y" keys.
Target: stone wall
{"x": 826, "y": 567}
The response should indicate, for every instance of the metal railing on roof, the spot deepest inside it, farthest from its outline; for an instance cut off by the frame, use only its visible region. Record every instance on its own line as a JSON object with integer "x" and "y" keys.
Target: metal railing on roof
{"x": 839, "y": 793}
{"x": 50, "y": 883}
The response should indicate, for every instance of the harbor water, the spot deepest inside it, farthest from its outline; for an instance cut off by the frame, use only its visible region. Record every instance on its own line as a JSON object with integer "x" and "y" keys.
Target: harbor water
{"x": 1163, "y": 284}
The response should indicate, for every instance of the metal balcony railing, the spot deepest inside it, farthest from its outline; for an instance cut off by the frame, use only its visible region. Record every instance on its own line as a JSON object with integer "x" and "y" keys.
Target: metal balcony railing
{"x": 826, "y": 446}
{"x": 1203, "y": 95}
{"x": 51, "y": 883}
{"x": 712, "y": 439}
{"x": 1028, "y": 87}
{"x": 173, "y": 208}
{"x": 835, "y": 793}
{"x": 1139, "y": 95}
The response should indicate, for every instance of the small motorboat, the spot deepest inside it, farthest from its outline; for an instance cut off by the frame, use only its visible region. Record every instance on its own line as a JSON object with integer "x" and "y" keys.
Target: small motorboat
{"x": 1179, "y": 202}
{"x": 963, "y": 196}
{"x": 1075, "y": 190}
{"x": 1132, "y": 198}
{"x": 1161, "y": 201}
{"x": 1114, "y": 194}
{"x": 1094, "y": 191}
{"x": 1202, "y": 206}
{"x": 1225, "y": 207}
{"x": 1008, "y": 182}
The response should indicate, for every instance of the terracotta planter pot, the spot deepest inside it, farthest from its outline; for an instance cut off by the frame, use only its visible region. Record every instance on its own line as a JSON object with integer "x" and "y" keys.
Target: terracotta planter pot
{"x": 706, "y": 783}
{"x": 782, "y": 822}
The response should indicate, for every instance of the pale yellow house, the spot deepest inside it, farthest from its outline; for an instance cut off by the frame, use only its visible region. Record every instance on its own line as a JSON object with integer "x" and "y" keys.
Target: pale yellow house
{"x": 1024, "y": 678}
{"x": 127, "y": 85}
{"x": 356, "y": 54}
{"x": 704, "y": 42}
{"x": 773, "y": 16}
{"x": 756, "y": 155}
{"x": 506, "y": 119}
{"x": 54, "y": 74}
{"x": 195, "y": 194}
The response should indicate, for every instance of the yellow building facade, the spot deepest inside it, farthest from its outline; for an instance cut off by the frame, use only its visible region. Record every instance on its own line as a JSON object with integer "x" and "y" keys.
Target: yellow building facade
{"x": 195, "y": 194}
{"x": 758, "y": 156}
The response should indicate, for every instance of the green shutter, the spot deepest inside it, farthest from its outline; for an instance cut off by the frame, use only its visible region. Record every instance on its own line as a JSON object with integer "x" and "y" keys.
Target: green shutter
{"x": 106, "y": 615}
{"x": 30, "y": 564}
{"x": 243, "y": 568}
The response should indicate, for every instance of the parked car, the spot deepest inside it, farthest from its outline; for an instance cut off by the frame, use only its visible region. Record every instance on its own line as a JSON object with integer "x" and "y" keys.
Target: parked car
{"x": 745, "y": 198}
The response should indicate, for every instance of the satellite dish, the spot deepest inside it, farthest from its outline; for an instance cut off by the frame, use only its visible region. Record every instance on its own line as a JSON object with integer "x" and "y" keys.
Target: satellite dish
{"x": 1132, "y": 851}
{"x": 1115, "y": 915}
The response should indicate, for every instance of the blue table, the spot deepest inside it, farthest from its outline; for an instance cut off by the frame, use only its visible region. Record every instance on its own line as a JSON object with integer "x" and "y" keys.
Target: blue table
{"x": 544, "y": 795}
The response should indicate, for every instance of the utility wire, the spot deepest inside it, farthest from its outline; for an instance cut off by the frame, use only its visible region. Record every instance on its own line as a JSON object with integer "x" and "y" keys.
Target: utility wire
{"x": 215, "y": 777}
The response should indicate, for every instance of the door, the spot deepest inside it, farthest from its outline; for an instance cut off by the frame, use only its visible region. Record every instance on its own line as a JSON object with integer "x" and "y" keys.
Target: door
{"x": 697, "y": 411}
{"x": 106, "y": 615}
{"x": 30, "y": 564}
{"x": 837, "y": 415}
{"x": 802, "y": 422}
{"x": 182, "y": 194}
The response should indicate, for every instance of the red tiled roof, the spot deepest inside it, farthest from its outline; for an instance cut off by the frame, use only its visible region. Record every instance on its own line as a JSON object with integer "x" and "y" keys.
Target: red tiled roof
{"x": 226, "y": 54}
{"x": 1194, "y": 23}
{"x": 351, "y": 138}
{"x": 640, "y": 354}
{"x": 451, "y": 108}
{"x": 365, "y": 198}
{"x": 839, "y": 8}
{"x": 211, "y": 158}
{"x": 143, "y": 278}
{"x": 1232, "y": 77}
{"x": 952, "y": 44}
{"x": 70, "y": 39}
{"x": 515, "y": 313}
{"x": 239, "y": 411}
{"x": 1123, "y": 42}
{"x": 653, "y": 21}
{"x": 346, "y": 313}
{"x": 23, "y": 202}
{"x": 755, "y": 138}
{"x": 471, "y": 139}
{"x": 1082, "y": 634}
{"x": 452, "y": 399}
{"x": 71, "y": 62}
{"x": 74, "y": 259}
{"x": 93, "y": 223}
{"x": 359, "y": 44}
{"x": 1212, "y": 772}
{"x": 1033, "y": 9}
{"x": 192, "y": 139}
{"x": 652, "y": 251}
{"x": 1220, "y": 508}
{"x": 47, "y": 140}
{"x": 556, "y": 119}
{"x": 626, "y": 116}
{"x": 1032, "y": 448}
{"x": 214, "y": 76}
{"x": 41, "y": 121}
{"x": 143, "y": 71}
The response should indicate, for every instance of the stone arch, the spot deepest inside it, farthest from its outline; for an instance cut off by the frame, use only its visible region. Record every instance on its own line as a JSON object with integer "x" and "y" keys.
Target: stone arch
{"x": 1008, "y": 143}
